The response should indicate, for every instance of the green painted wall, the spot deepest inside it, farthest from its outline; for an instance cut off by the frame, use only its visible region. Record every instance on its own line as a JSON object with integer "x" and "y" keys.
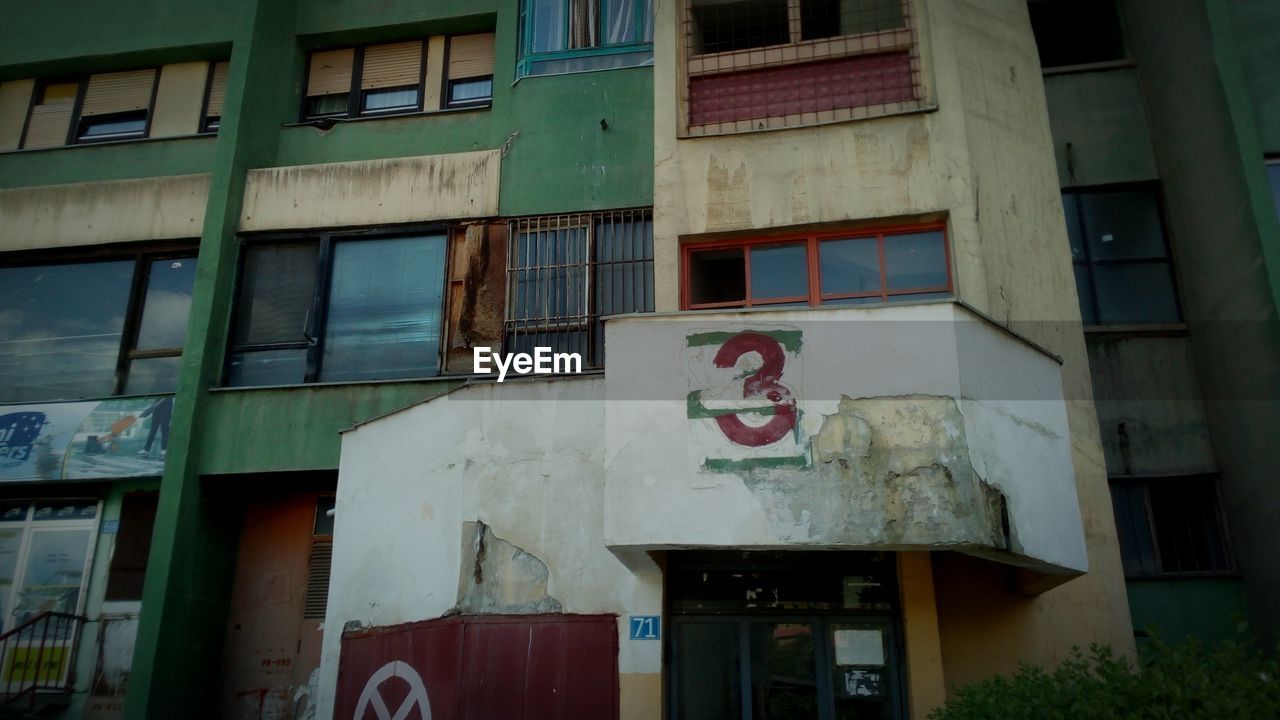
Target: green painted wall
{"x": 282, "y": 429}
{"x": 1099, "y": 128}
{"x": 96, "y": 163}
{"x": 53, "y": 32}
{"x": 1255, "y": 24}
{"x": 1208, "y": 608}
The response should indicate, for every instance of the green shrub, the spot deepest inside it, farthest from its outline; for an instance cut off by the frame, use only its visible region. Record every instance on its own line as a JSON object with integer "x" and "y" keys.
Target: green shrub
{"x": 1184, "y": 682}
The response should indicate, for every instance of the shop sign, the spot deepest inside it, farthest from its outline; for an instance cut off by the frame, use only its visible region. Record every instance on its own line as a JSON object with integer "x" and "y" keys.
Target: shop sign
{"x": 119, "y": 437}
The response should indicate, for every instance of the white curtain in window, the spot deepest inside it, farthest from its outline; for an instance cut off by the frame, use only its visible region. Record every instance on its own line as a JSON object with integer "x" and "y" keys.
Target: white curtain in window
{"x": 621, "y": 18}
{"x": 549, "y": 26}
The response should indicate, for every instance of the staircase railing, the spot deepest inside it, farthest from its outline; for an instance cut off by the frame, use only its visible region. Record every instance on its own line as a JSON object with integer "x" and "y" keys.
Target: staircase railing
{"x": 38, "y": 656}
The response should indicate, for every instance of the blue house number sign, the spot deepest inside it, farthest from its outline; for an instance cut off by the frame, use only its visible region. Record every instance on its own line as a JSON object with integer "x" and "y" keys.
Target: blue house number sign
{"x": 646, "y": 627}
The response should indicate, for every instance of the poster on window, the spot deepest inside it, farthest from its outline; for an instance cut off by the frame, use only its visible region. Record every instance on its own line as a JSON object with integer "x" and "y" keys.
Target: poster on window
{"x": 120, "y": 437}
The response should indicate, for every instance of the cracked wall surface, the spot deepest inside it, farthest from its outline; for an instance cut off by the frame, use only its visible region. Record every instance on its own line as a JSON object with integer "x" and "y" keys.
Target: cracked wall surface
{"x": 497, "y": 577}
{"x": 885, "y": 471}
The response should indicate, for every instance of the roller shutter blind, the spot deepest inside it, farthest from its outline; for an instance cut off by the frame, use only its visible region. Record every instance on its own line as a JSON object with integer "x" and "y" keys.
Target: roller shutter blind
{"x": 118, "y": 92}
{"x": 394, "y": 65}
{"x": 217, "y": 89}
{"x": 50, "y": 121}
{"x": 470, "y": 56}
{"x": 330, "y": 72}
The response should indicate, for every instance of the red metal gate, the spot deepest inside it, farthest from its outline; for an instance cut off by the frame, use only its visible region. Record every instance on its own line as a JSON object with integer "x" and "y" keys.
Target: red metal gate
{"x": 515, "y": 667}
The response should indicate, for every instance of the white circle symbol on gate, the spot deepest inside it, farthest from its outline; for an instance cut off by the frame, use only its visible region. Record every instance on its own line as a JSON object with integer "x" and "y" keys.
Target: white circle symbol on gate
{"x": 371, "y": 697}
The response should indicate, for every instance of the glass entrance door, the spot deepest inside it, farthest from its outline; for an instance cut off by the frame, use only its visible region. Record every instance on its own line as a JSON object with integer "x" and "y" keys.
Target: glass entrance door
{"x": 761, "y": 637}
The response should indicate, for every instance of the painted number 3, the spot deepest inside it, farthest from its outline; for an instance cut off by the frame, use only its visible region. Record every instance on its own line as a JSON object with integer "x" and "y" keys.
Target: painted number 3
{"x": 762, "y": 384}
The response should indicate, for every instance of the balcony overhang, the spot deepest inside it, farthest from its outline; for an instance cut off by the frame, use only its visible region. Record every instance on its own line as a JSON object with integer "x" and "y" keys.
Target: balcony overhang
{"x": 911, "y": 427}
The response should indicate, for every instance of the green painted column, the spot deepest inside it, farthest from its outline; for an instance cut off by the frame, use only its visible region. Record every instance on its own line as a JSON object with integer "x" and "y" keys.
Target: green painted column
{"x": 178, "y": 658}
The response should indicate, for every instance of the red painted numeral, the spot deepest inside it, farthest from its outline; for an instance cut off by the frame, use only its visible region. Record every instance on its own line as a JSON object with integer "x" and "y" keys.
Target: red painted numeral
{"x": 762, "y": 384}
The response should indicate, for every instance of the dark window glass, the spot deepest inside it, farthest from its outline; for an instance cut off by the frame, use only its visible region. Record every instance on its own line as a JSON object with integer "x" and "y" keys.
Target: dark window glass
{"x": 325, "y": 505}
{"x": 849, "y": 266}
{"x": 322, "y": 106}
{"x": 915, "y": 261}
{"x": 831, "y": 18}
{"x": 384, "y": 309}
{"x": 1273, "y": 173}
{"x": 567, "y": 272}
{"x": 784, "y": 680}
{"x": 476, "y": 91}
{"x": 1122, "y": 266}
{"x": 717, "y": 276}
{"x": 133, "y": 544}
{"x": 61, "y": 328}
{"x": 726, "y": 26}
{"x": 709, "y": 676}
{"x": 779, "y": 271}
{"x": 117, "y": 126}
{"x": 405, "y": 98}
{"x": 1170, "y": 525}
{"x": 1076, "y": 32}
{"x": 862, "y": 680}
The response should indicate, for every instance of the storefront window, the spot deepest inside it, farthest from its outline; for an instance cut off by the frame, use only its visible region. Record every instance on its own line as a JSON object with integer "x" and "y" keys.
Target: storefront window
{"x": 44, "y": 555}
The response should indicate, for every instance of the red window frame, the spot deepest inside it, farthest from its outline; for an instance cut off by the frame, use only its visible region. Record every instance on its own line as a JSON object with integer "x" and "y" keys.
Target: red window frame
{"x": 812, "y": 242}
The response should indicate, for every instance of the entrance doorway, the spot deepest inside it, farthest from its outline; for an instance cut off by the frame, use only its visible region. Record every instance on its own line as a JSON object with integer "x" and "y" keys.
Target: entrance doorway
{"x": 784, "y": 636}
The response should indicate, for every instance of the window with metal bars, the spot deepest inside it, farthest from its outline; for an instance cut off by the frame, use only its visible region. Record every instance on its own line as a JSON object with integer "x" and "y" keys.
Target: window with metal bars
{"x": 765, "y": 64}
{"x": 1170, "y": 526}
{"x": 566, "y": 272}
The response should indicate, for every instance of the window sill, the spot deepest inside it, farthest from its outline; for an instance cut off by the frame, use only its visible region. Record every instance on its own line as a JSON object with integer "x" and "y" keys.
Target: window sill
{"x": 112, "y": 143}
{"x": 327, "y": 123}
{"x": 1088, "y": 67}
{"x": 780, "y": 123}
{"x": 1163, "y": 329}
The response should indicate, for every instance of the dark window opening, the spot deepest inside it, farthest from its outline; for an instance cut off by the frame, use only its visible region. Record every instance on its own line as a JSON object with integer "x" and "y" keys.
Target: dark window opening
{"x": 1170, "y": 525}
{"x": 116, "y": 126}
{"x": 133, "y": 544}
{"x": 833, "y": 18}
{"x": 718, "y": 276}
{"x": 399, "y": 99}
{"x": 1077, "y": 32}
{"x": 723, "y": 27}
{"x": 1124, "y": 274}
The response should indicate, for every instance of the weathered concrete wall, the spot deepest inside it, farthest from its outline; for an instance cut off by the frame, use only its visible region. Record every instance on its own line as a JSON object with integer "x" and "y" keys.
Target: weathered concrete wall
{"x": 935, "y": 429}
{"x": 1227, "y": 241}
{"x": 429, "y": 187}
{"x": 99, "y": 213}
{"x": 984, "y": 160}
{"x": 1099, "y": 128}
{"x": 1150, "y": 410}
{"x": 485, "y": 500}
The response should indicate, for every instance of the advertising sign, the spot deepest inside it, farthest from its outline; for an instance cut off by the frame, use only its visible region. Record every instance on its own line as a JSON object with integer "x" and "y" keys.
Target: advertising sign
{"x": 118, "y": 437}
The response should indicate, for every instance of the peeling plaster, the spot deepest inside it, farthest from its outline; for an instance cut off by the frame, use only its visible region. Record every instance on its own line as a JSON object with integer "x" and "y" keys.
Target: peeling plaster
{"x": 886, "y": 471}
{"x": 497, "y": 577}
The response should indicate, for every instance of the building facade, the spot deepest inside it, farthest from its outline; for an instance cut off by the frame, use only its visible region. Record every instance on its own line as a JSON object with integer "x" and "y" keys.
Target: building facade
{"x": 866, "y": 402}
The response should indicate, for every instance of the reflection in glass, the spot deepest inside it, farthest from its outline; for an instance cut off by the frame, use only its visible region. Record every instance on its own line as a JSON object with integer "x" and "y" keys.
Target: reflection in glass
{"x": 153, "y": 375}
{"x": 10, "y": 543}
{"x": 467, "y": 92}
{"x": 708, "y": 676}
{"x": 53, "y": 574}
{"x": 779, "y": 271}
{"x": 60, "y": 329}
{"x": 167, "y": 304}
{"x": 384, "y": 309}
{"x": 784, "y": 684}
{"x": 849, "y": 266}
{"x": 917, "y": 260}
{"x": 548, "y": 26}
{"x": 268, "y": 367}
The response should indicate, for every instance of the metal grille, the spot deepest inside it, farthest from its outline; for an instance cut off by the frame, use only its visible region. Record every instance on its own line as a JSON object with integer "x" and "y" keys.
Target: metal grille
{"x": 566, "y": 272}
{"x": 318, "y": 579}
{"x": 1170, "y": 525}
{"x": 765, "y": 64}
